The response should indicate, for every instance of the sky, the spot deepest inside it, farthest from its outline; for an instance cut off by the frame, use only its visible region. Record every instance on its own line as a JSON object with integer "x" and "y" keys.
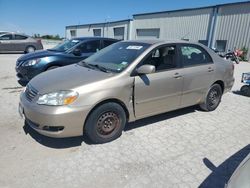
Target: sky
{"x": 51, "y": 16}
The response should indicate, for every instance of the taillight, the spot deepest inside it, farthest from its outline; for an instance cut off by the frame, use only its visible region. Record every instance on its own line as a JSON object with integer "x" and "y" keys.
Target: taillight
{"x": 39, "y": 41}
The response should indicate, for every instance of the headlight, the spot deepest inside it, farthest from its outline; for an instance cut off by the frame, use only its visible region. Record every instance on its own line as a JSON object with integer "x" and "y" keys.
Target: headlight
{"x": 31, "y": 62}
{"x": 58, "y": 98}
{"x": 246, "y": 76}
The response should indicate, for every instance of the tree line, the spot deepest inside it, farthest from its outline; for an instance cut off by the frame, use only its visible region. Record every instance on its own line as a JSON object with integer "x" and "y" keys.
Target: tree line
{"x": 52, "y": 37}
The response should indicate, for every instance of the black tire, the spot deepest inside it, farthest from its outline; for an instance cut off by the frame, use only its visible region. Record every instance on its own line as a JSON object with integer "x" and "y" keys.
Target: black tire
{"x": 30, "y": 49}
{"x": 105, "y": 123}
{"x": 213, "y": 98}
{"x": 245, "y": 90}
{"x": 52, "y": 67}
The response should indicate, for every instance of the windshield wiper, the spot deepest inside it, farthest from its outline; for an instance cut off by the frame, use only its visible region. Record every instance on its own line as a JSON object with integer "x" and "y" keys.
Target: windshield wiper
{"x": 96, "y": 66}
{"x": 103, "y": 69}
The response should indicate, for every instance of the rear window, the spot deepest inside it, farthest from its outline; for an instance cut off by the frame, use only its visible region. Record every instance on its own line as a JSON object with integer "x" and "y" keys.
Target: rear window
{"x": 194, "y": 55}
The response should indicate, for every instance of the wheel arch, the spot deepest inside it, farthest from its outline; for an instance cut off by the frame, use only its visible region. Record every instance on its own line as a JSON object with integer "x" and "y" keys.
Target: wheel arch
{"x": 221, "y": 83}
{"x": 114, "y": 100}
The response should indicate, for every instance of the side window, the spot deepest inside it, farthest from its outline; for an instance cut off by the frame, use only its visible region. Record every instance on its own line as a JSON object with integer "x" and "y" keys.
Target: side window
{"x": 107, "y": 43}
{"x": 6, "y": 37}
{"x": 20, "y": 37}
{"x": 192, "y": 55}
{"x": 163, "y": 58}
{"x": 90, "y": 47}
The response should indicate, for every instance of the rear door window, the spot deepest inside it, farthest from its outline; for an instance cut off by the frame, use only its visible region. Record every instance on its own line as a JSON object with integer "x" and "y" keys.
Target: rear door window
{"x": 107, "y": 43}
{"x": 90, "y": 47}
{"x": 192, "y": 55}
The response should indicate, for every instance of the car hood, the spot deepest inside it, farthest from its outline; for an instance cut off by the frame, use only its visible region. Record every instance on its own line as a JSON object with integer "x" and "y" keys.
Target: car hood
{"x": 38, "y": 54}
{"x": 66, "y": 78}
{"x": 240, "y": 177}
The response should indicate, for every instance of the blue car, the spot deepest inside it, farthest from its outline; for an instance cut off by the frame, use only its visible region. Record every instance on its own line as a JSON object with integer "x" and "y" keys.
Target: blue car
{"x": 69, "y": 52}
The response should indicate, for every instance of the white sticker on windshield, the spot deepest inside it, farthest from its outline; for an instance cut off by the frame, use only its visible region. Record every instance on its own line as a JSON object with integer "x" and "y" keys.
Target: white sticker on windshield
{"x": 134, "y": 47}
{"x": 124, "y": 63}
{"x": 75, "y": 41}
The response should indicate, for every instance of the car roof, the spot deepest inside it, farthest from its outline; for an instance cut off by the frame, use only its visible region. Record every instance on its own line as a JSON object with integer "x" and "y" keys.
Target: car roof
{"x": 15, "y": 33}
{"x": 90, "y": 38}
{"x": 158, "y": 41}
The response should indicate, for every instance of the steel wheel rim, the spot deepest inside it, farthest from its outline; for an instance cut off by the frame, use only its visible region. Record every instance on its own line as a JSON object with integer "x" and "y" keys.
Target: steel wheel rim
{"x": 107, "y": 124}
{"x": 30, "y": 49}
{"x": 213, "y": 98}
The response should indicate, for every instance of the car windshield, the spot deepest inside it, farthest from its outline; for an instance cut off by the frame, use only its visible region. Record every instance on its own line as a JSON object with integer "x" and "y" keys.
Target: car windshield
{"x": 66, "y": 45}
{"x": 116, "y": 57}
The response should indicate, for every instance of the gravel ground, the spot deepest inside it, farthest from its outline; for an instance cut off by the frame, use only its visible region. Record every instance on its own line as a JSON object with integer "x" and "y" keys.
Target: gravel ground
{"x": 184, "y": 148}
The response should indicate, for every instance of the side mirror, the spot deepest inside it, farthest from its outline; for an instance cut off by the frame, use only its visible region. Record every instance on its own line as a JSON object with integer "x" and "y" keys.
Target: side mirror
{"x": 215, "y": 50}
{"x": 146, "y": 69}
{"x": 77, "y": 52}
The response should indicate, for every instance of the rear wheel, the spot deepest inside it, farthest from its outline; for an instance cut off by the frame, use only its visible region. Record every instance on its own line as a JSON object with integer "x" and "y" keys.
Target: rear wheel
{"x": 105, "y": 123}
{"x": 245, "y": 90}
{"x": 30, "y": 49}
{"x": 213, "y": 98}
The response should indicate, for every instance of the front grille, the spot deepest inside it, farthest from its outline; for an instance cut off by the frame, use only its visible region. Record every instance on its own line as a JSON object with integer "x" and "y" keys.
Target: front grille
{"x": 30, "y": 92}
{"x": 18, "y": 63}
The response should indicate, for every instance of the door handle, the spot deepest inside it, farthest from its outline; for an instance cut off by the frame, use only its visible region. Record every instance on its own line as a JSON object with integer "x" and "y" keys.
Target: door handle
{"x": 177, "y": 75}
{"x": 210, "y": 69}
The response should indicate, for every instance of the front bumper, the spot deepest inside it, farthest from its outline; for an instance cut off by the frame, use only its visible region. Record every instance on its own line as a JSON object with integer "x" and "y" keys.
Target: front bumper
{"x": 27, "y": 73}
{"x": 54, "y": 121}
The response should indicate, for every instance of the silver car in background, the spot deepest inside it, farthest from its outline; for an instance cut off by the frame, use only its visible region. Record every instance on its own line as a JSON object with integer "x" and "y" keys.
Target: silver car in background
{"x": 15, "y": 42}
{"x": 124, "y": 82}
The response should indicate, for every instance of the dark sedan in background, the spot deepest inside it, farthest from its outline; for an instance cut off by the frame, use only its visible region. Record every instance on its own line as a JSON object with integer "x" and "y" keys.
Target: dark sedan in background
{"x": 15, "y": 42}
{"x": 69, "y": 52}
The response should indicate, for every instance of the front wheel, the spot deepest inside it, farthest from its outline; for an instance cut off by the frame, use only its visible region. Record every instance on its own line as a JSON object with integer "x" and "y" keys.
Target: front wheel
{"x": 105, "y": 123}
{"x": 213, "y": 98}
{"x": 245, "y": 90}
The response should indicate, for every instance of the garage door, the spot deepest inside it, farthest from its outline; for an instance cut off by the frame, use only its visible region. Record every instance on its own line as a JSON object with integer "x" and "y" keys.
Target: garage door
{"x": 148, "y": 33}
{"x": 119, "y": 33}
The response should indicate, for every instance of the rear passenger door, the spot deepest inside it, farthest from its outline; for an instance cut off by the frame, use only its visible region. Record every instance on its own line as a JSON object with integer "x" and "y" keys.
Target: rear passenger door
{"x": 197, "y": 73}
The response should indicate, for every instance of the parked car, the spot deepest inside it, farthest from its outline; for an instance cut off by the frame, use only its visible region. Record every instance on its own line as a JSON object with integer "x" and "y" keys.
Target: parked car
{"x": 3, "y": 32}
{"x": 66, "y": 53}
{"x": 241, "y": 176}
{"x": 122, "y": 83}
{"x": 15, "y": 42}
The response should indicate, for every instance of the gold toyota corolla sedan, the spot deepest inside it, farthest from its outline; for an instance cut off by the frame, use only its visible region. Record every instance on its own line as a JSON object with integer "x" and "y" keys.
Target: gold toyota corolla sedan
{"x": 124, "y": 82}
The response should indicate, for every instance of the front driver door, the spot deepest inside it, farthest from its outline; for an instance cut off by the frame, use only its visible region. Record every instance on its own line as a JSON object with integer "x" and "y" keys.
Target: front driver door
{"x": 160, "y": 91}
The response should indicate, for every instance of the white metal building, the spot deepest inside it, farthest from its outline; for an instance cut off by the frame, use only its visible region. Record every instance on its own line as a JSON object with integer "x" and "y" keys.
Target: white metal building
{"x": 118, "y": 29}
{"x": 225, "y": 26}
